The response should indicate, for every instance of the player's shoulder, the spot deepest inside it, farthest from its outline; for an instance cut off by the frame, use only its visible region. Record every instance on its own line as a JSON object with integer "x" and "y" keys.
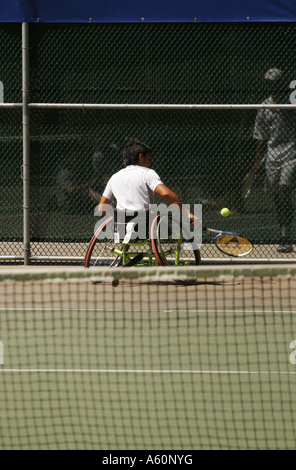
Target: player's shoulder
{"x": 143, "y": 170}
{"x": 114, "y": 177}
{"x": 150, "y": 173}
{"x": 118, "y": 173}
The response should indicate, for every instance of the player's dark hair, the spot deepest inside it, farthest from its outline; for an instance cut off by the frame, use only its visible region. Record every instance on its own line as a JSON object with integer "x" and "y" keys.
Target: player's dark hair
{"x": 132, "y": 151}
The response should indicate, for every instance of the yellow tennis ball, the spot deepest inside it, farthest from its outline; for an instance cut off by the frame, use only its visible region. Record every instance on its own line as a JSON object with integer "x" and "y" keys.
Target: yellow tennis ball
{"x": 225, "y": 212}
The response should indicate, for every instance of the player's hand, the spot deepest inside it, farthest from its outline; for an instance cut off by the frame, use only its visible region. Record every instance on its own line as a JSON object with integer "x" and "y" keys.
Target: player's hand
{"x": 194, "y": 221}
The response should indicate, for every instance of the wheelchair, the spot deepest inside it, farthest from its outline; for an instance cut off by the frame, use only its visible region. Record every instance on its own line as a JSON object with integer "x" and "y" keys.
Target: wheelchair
{"x": 141, "y": 239}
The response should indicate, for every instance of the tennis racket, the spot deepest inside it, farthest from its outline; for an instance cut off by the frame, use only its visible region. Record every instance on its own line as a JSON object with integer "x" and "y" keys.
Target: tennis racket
{"x": 230, "y": 243}
{"x": 248, "y": 183}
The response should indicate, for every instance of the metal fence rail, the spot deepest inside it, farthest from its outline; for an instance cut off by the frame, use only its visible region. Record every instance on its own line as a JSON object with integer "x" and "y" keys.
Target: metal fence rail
{"x": 74, "y": 94}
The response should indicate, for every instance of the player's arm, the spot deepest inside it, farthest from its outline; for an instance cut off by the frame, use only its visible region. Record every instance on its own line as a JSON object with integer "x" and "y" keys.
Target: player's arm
{"x": 104, "y": 200}
{"x": 171, "y": 198}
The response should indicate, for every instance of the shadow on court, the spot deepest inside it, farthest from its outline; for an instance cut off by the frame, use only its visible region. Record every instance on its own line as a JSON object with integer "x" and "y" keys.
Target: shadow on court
{"x": 176, "y": 282}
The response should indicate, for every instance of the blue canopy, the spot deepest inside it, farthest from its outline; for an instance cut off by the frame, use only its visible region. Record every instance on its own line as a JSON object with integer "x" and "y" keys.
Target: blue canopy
{"x": 135, "y": 11}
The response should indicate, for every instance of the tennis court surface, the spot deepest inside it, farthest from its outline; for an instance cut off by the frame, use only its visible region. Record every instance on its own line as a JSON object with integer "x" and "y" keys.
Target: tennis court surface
{"x": 155, "y": 363}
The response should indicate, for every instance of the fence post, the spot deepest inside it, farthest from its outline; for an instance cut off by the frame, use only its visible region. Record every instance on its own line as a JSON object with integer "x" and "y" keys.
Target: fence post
{"x": 26, "y": 143}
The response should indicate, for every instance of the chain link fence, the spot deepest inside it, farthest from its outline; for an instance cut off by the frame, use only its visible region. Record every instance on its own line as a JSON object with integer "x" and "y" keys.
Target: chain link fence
{"x": 202, "y": 154}
{"x": 11, "y": 224}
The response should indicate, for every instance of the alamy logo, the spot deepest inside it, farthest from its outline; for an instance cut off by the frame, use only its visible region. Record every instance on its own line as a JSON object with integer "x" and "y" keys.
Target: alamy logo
{"x": 137, "y": 224}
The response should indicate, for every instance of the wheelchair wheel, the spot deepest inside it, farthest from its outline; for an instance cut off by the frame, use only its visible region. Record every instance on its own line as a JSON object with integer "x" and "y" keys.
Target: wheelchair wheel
{"x": 170, "y": 247}
{"x": 101, "y": 247}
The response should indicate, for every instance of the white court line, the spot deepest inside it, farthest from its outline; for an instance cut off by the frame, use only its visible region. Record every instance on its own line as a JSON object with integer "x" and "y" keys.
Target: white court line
{"x": 151, "y": 371}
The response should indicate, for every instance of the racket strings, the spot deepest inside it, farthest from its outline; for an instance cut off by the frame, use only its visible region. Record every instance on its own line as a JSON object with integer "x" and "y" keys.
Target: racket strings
{"x": 234, "y": 245}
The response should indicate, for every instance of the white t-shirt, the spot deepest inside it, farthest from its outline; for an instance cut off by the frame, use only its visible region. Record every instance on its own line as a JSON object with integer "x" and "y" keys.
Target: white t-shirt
{"x": 132, "y": 187}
